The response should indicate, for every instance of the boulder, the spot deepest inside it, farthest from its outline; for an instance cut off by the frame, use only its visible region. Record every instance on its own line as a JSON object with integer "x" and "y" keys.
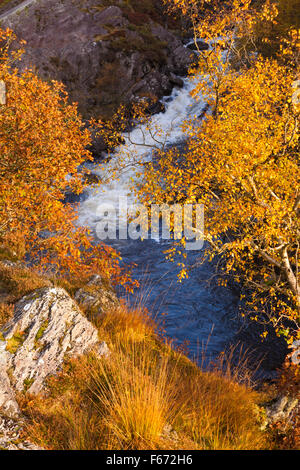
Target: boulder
{"x": 96, "y": 296}
{"x": 280, "y": 410}
{"x": 198, "y": 45}
{"x": 91, "y": 178}
{"x": 2, "y": 93}
{"x": 46, "y": 328}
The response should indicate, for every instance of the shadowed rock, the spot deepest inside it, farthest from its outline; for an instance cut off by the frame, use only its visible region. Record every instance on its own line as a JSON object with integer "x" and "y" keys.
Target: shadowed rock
{"x": 11, "y": 436}
{"x": 101, "y": 56}
{"x": 96, "y": 296}
{"x": 198, "y": 45}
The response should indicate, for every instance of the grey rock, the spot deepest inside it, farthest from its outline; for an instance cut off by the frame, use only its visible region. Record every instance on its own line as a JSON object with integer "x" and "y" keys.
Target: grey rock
{"x": 97, "y": 296}
{"x": 10, "y": 435}
{"x": 182, "y": 58}
{"x": 177, "y": 81}
{"x": 198, "y": 45}
{"x": 75, "y": 45}
{"x": 281, "y": 409}
{"x": 295, "y": 354}
{"x": 169, "y": 433}
{"x": 2, "y": 93}
{"x": 46, "y": 328}
{"x": 8, "y": 403}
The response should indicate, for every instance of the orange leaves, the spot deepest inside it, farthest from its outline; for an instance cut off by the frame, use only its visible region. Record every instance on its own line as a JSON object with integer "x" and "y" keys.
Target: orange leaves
{"x": 42, "y": 145}
{"x": 242, "y": 163}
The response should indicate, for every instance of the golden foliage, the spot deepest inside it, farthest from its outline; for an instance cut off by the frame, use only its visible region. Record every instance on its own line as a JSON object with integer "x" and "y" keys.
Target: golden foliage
{"x": 144, "y": 396}
{"x": 42, "y": 143}
{"x": 242, "y": 163}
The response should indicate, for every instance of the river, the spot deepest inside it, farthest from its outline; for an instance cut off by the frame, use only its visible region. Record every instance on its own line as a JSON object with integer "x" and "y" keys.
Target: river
{"x": 195, "y": 312}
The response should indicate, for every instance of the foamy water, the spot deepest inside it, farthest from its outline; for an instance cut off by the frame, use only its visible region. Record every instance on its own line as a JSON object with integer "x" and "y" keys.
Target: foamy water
{"x": 179, "y": 106}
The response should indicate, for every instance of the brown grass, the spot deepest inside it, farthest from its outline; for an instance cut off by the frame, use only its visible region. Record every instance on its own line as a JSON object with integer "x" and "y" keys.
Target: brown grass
{"x": 144, "y": 396}
{"x": 17, "y": 281}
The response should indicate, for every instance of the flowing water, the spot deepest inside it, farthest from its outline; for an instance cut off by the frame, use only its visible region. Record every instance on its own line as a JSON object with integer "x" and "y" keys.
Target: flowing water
{"x": 195, "y": 310}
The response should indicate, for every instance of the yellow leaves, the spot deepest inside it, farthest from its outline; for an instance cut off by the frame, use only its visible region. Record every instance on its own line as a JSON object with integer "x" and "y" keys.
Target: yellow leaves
{"x": 242, "y": 163}
{"x": 42, "y": 144}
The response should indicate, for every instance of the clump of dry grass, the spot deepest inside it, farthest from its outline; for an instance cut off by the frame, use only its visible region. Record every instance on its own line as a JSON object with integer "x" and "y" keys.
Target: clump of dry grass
{"x": 130, "y": 399}
{"x": 17, "y": 281}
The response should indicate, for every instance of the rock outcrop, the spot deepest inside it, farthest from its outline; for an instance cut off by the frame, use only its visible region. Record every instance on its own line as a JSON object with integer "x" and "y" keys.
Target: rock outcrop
{"x": 8, "y": 403}
{"x": 282, "y": 412}
{"x": 96, "y": 296}
{"x": 198, "y": 45}
{"x": 46, "y": 328}
{"x": 104, "y": 53}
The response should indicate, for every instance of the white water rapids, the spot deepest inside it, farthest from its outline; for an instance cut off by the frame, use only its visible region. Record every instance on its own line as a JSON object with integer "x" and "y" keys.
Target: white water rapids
{"x": 179, "y": 106}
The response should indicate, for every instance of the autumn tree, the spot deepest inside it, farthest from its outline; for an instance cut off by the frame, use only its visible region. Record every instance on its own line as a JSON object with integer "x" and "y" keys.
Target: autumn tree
{"x": 42, "y": 145}
{"x": 270, "y": 32}
{"x": 242, "y": 160}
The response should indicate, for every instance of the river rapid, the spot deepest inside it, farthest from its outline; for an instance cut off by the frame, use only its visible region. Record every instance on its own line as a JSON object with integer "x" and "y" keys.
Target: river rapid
{"x": 195, "y": 312}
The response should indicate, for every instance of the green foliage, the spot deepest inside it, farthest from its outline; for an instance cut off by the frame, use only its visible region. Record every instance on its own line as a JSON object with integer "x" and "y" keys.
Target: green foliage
{"x": 15, "y": 342}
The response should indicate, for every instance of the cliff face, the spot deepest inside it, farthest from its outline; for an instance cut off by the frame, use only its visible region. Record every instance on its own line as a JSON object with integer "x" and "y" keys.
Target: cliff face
{"x": 106, "y": 52}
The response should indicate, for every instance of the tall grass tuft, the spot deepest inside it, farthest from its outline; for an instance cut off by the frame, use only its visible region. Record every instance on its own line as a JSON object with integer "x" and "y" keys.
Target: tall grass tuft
{"x": 145, "y": 395}
{"x": 136, "y": 398}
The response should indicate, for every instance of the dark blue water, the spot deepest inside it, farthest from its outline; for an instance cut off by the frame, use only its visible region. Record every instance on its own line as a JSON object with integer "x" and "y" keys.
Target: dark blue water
{"x": 195, "y": 313}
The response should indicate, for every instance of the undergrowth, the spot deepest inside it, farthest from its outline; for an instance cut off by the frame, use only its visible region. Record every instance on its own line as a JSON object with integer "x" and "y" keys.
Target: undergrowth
{"x": 144, "y": 395}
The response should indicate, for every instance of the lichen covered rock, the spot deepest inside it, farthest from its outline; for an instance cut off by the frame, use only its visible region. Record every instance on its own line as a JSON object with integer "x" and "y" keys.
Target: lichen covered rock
{"x": 11, "y": 436}
{"x": 96, "y": 296}
{"x": 46, "y": 328}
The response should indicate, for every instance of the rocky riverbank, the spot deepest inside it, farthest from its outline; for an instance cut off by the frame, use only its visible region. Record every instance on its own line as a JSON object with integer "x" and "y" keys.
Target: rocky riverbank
{"x": 61, "y": 353}
{"x": 106, "y": 53}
